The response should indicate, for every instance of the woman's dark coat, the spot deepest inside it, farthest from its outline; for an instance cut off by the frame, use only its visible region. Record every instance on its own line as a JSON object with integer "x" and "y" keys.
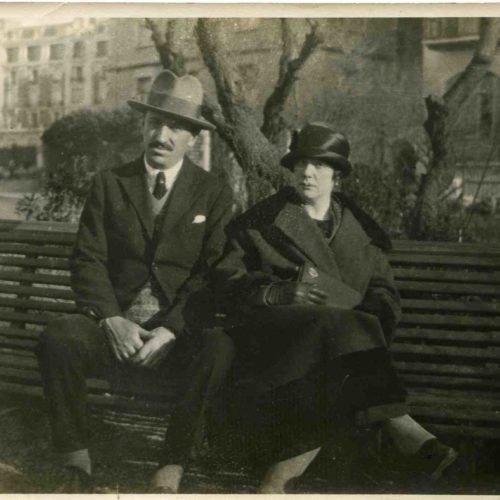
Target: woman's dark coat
{"x": 280, "y": 346}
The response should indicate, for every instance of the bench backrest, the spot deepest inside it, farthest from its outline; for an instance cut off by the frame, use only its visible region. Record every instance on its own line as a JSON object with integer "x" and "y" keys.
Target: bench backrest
{"x": 449, "y": 337}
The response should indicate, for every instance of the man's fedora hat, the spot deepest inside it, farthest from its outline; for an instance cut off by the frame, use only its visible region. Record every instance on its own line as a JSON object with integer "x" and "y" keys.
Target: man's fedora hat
{"x": 178, "y": 97}
{"x": 317, "y": 141}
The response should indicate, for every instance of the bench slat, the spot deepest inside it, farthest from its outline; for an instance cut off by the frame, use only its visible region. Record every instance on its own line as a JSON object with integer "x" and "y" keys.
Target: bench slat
{"x": 448, "y": 261}
{"x": 40, "y": 263}
{"x": 17, "y": 343}
{"x": 449, "y": 321}
{"x": 37, "y": 237}
{"x": 456, "y": 382}
{"x": 445, "y": 247}
{"x": 40, "y": 305}
{"x": 438, "y": 350}
{"x": 485, "y": 277}
{"x": 39, "y": 278}
{"x": 469, "y": 431}
{"x": 9, "y": 331}
{"x": 449, "y": 335}
{"x": 431, "y": 396}
{"x": 446, "y": 368}
{"x": 448, "y": 288}
{"x": 37, "y": 319}
{"x": 37, "y": 291}
{"x": 34, "y": 250}
{"x": 451, "y": 306}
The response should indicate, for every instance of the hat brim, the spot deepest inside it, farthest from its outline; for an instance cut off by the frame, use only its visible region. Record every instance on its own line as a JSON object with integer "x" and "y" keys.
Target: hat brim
{"x": 143, "y": 108}
{"x": 335, "y": 161}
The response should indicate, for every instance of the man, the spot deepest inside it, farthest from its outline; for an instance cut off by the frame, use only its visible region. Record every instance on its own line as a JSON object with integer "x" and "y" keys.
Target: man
{"x": 149, "y": 232}
{"x": 313, "y": 306}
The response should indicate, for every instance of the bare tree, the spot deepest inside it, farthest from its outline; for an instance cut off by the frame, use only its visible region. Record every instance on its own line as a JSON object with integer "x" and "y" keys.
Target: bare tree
{"x": 257, "y": 142}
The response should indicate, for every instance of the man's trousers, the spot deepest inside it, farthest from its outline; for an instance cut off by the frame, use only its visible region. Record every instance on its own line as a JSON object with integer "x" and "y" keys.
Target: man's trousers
{"x": 74, "y": 348}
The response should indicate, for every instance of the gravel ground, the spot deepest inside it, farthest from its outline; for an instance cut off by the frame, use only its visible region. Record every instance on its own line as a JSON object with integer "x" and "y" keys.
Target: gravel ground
{"x": 124, "y": 462}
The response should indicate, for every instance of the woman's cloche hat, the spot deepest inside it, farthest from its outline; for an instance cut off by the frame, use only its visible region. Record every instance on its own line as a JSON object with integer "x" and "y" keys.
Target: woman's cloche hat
{"x": 178, "y": 97}
{"x": 318, "y": 141}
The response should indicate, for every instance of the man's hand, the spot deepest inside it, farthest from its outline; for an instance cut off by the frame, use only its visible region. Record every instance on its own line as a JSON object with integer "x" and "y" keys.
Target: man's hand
{"x": 124, "y": 336}
{"x": 158, "y": 344}
{"x": 292, "y": 292}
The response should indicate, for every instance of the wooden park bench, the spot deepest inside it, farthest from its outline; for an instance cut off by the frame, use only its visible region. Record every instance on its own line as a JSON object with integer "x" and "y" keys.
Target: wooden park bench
{"x": 447, "y": 349}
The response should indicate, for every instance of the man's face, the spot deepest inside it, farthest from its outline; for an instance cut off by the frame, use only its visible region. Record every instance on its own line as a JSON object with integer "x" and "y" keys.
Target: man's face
{"x": 166, "y": 140}
{"x": 314, "y": 179}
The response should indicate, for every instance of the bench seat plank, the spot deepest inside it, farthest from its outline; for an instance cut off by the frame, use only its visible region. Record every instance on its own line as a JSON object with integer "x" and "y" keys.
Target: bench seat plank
{"x": 37, "y": 291}
{"x": 452, "y": 276}
{"x": 37, "y": 263}
{"x": 35, "y": 250}
{"x": 38, "y": 278}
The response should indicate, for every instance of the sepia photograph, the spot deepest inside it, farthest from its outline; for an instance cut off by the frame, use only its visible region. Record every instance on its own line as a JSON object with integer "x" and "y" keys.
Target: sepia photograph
{"x": 246, "y": 251}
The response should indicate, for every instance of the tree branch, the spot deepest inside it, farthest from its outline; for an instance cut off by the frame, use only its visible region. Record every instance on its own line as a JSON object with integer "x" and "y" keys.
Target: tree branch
{"x": 481, "y": 61}
{"x": 289, "y": 67}
{"x": 164, "y": 41}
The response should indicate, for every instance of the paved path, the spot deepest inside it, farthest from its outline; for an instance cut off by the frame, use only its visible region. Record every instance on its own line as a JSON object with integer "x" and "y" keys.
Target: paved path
{"x": 8, "y": 203}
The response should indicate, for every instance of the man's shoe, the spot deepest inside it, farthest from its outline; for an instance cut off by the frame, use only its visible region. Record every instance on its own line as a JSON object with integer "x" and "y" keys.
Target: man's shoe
{"x": 434, "y": 458}
{"x": 74, "y": 480}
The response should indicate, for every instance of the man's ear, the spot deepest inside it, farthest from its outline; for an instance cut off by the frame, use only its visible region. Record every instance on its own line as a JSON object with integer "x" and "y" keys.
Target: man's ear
{"x": 192, "y": 140}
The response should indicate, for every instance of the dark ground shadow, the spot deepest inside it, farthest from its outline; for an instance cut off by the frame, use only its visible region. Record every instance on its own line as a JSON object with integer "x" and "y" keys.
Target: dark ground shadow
{"x": 124, "y": 462}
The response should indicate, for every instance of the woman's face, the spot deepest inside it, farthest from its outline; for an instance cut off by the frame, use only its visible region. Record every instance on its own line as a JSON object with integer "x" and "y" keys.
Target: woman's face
{"x": 314, "y": 179}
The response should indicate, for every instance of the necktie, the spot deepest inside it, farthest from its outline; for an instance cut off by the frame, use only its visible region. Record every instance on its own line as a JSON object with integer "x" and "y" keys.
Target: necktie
{"x": 160, "y": 189}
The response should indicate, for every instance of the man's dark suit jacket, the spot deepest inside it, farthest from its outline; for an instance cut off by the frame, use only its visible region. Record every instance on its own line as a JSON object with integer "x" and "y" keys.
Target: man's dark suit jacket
{"x": 117, "y": 249}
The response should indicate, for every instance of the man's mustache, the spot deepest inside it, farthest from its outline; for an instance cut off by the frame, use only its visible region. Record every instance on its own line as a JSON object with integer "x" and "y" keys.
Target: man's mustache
{"x": 161, "y": 145}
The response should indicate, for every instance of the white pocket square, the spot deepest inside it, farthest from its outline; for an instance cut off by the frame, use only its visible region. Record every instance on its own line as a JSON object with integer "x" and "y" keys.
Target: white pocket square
{"x": 199, "y": 219}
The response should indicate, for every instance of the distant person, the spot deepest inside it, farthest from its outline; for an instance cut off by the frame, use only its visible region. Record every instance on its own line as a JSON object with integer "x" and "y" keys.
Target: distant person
{"x": 148, "y": 234}
{"x": 312, "y": 308}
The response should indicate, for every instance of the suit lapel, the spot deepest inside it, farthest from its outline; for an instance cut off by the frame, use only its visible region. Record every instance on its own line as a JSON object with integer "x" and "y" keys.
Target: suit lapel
{"x": 135, "y": 186}
{"x": 181, "y": 198}
{"x": 304, "y": 234}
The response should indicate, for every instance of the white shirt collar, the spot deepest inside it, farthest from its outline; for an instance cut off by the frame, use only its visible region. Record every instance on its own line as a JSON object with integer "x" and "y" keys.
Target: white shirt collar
{"x": 170, "y": 174}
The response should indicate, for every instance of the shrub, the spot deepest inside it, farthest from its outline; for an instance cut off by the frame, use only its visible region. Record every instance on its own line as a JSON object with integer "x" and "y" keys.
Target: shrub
{"x": 75, "y": 147}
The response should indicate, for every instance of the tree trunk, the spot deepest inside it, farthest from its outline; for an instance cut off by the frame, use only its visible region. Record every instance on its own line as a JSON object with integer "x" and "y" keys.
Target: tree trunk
{"x": 257, "y": 156}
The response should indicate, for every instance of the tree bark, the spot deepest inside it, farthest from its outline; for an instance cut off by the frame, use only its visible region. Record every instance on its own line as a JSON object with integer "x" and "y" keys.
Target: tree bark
{"x": 257, "y": 156}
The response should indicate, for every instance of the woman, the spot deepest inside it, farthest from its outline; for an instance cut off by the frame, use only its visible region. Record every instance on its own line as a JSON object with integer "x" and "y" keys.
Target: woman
{"x": 312, "y": 307}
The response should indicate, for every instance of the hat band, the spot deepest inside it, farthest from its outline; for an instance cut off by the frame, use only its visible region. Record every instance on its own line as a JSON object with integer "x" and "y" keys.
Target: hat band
{"x": 305, "y": 152}
{"x": 174, "y": 104}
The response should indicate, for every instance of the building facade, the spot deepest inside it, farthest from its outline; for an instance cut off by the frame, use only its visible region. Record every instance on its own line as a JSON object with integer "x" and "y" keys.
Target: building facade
{"x": 48, "y": 71}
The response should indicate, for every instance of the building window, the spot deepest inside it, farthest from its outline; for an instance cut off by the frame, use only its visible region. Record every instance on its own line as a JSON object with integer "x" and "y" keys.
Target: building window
{"x": 77, "y": 95}
{"x": 142, "y": 87}
{"x": 50, "y": 31}
{"x": 12, "y": 54}
{"x": 78, "y": 49}
{"x": 56, "y": 51}
{"x": 102, "y": 48}
{"x": 13, "y": 77}
{"x": 34, "y": 53}
{"x": 100, "y": 87}
{"x": 34, "y": 120}
{"x": 101, "y": 28}
{"x": 77, "y": 73}
{"x": 34, "y": 76}
{"x": 28, "y": 33}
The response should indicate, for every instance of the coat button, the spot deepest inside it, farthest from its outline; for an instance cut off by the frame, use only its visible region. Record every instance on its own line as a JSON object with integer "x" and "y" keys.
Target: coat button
{"x": 154, "y": 266}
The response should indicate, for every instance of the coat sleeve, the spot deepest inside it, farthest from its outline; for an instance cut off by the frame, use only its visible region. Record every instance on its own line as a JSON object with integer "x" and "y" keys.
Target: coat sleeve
{"x": 382, "y": 297}
{"x": 239, "y": 275}
{"x": 186, "y": 304}
{"x": 94, "y": 293}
